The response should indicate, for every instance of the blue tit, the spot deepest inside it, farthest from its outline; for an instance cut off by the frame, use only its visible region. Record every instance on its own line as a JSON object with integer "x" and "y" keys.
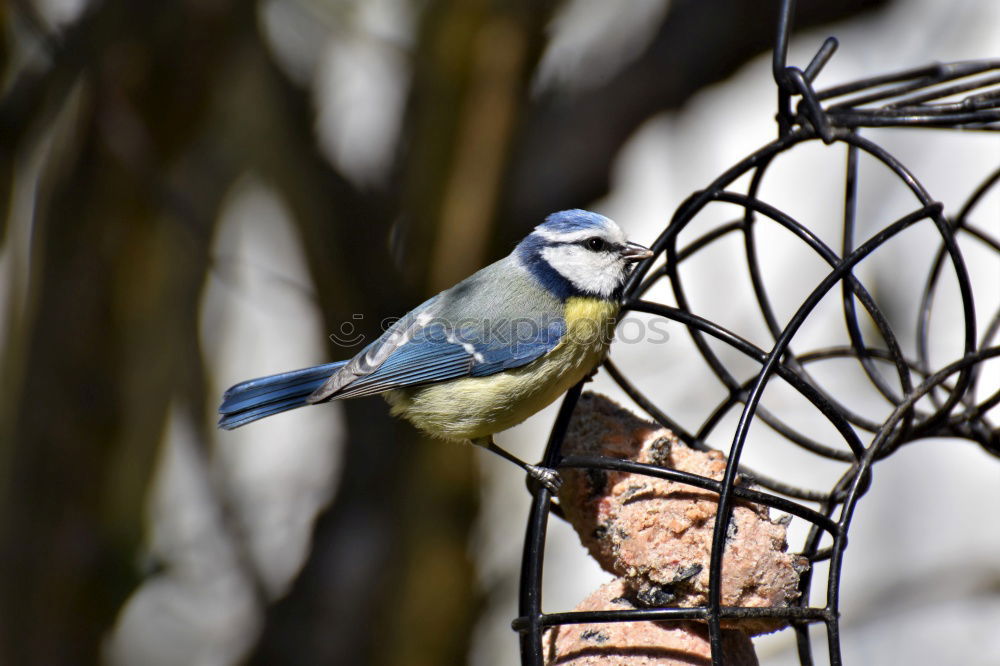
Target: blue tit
{"x": 485, "y": 354}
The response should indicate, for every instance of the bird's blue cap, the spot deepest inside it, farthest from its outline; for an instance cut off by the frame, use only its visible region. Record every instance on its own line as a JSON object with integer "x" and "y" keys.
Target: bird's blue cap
{"x": 573, "y": 220}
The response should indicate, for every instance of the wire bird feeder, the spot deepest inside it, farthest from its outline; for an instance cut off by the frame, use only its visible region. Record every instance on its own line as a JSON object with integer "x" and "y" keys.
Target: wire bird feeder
{"x": 925, "y": 400}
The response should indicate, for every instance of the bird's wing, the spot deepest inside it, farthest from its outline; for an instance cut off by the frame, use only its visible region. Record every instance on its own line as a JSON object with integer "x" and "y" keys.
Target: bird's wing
{"x": 440, "y": 350}
{"x": 371, "y": 358}
{"x": 495, "y": 320}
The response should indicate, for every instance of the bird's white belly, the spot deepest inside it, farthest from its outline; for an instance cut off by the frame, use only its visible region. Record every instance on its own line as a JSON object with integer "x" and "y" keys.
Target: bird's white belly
{"x": 474, "y": 407}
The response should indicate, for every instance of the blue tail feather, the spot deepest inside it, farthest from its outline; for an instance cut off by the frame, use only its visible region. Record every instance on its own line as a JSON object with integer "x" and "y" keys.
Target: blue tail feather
{"x": 256, "y": 398}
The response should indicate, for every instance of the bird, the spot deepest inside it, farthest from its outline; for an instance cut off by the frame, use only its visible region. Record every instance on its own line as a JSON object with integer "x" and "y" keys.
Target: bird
{"x": 485, "y": 354}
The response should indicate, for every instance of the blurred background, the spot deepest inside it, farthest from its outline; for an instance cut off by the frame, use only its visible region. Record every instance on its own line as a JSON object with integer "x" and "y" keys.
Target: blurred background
{"x": 196, "y": 192}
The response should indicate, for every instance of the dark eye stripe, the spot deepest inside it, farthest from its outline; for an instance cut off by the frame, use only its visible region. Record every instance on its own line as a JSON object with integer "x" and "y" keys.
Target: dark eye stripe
{"x": 608, "y": 245}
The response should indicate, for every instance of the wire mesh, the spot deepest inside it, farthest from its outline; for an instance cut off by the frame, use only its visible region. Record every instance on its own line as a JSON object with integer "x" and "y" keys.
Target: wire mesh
{"x": 926, "y": 400}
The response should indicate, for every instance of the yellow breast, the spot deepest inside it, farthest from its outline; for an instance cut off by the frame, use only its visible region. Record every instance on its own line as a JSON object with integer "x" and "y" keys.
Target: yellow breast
{"x": 474, "y": 407}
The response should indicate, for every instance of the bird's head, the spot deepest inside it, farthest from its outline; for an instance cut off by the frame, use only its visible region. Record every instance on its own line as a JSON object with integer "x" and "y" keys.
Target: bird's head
{"x": 579, "y": 253}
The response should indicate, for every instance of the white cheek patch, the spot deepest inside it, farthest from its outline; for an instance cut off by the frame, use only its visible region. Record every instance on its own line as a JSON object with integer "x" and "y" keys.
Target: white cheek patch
{"x": 594, "y": 272}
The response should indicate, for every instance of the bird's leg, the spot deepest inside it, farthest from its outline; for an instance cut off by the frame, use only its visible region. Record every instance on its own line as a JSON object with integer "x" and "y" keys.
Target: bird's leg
{"x": 546, "y": 476}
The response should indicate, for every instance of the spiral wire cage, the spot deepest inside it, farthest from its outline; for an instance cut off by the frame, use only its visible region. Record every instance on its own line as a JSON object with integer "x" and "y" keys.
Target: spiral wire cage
{"x": 924, "y": 400}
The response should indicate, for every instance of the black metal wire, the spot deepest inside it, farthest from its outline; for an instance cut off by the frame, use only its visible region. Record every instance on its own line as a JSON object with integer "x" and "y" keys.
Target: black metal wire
{"x": 925, "y": 401}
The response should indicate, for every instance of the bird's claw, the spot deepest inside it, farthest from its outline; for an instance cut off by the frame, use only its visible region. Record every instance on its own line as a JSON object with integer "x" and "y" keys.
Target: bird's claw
{"x": 546, "y": 476}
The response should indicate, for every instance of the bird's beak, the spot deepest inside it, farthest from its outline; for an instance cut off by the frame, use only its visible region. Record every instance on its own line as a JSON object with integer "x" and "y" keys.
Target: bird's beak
{"x": 635, "y": 252}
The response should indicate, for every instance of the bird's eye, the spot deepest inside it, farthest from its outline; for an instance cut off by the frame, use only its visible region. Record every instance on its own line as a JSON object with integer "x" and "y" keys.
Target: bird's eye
{"x": 596, "y": 244}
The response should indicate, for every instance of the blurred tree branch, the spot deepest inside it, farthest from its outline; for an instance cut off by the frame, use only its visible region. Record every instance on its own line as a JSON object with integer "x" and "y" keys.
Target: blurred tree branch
{"x": 117, "y": 268}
